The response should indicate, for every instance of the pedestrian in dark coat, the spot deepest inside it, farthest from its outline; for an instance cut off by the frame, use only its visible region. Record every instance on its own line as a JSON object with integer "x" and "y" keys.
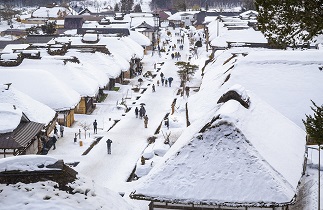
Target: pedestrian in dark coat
{"x": 61, "y": 129}
{"x": 55, "y": 130}
{"x": 162, "y": 81}
{"x": 142, "y": 112}
{"x": 44, "y": 150}
{"x": 136, "y": 112}
{"x": 165, "y": 82}
{"x": 170, "y": 79}
{"x": 109, "y": 142}
{"x": 146, "y": 121}
{"x": 153, "y": 87}
{"x": 54, "y": 140}
{"x": 95, "y": 127}
{"x": 161, "y": 74}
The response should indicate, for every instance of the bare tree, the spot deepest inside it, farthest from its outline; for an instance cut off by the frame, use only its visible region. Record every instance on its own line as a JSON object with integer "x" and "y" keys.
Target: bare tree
{"x": 85, "y": 126}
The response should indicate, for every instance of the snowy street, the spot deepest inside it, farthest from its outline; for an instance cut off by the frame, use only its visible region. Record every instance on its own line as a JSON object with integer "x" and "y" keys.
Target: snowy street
{"x": 128, "y": 135}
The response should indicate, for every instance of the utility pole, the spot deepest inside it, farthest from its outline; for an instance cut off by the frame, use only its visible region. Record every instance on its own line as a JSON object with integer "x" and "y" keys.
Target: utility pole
{"x": 319, "y": 184}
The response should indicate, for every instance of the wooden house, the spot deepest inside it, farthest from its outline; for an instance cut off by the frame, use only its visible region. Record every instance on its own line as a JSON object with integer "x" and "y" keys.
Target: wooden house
{"x": 146, "y": 30}
{"x": 19, "y": 137}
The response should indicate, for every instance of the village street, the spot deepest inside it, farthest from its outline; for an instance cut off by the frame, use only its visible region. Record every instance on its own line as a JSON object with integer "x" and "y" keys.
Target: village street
{"x": 128, "y": 135}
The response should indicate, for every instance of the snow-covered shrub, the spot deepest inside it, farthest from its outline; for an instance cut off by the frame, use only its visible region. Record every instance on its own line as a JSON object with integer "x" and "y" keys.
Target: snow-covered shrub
{"x": 148, "y": 152}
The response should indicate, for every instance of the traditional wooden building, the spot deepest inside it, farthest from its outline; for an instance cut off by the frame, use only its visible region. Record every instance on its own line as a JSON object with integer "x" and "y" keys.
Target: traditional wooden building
{"x": 21, "y": 140}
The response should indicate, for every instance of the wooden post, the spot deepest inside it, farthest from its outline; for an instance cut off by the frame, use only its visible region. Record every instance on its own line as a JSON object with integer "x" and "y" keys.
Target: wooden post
{"x": 187, "y": 121}
{"x": 173, "y": 108}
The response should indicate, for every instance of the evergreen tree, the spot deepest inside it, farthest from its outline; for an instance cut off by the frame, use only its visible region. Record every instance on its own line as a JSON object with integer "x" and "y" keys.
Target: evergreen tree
{"x": 180, "y": 5}
{"x": 290, "y": 22}
{"x": 249, "y": 4}
{"x": 137, "y": 8}
{"x": 116, "y": 7}
{"x": 186, "y": 70}
{"x": 160, "y": 4}
{"x": 126, "y": 5}
{"x": 49, "y": 27}
{"x": 314, "y": 124}
{"x": 32, "y": 30}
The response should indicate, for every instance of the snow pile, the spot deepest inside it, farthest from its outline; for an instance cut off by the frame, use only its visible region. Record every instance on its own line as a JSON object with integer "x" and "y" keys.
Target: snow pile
{"x": 9, "y": 56}
{"x": 9, "y": 111}
{"x": 90, "y": 37}
{"x": 84, "y": 193}
{"x": 27, "y": 163}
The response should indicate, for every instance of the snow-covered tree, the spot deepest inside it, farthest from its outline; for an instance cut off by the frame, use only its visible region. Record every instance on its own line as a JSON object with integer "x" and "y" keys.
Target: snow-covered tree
{"x": 137, "y": 8}
{"x": 290, "y": 22}
{"x": 116, "y": 7}
{"x": 49, "y": 27}
{"x": 314, "y": 124}
{"x": 126, "y": 5}
{"x": 248, "y": 4}
{"x": 186, "y": 70}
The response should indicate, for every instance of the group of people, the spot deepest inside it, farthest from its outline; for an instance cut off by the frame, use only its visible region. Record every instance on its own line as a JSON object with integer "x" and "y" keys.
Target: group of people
{"x": 61, "y": 130}
{"x": 142, "y": 114}
{"x": 167, "y": 82}
{"x": 176, "y": 55}
{"x": 180, "y": 41}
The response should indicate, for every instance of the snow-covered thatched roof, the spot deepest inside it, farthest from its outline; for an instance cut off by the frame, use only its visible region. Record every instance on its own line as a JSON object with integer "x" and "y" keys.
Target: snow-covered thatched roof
{"x": 41, "y": 86}
{"x": 241, "y": 157}
{"x": 72, "y": 77}
{"x": 53, "y": 12}
{"x": 10, "y": 117}
{"x": 139, "y": 38}
{"x": 34, "y": 110}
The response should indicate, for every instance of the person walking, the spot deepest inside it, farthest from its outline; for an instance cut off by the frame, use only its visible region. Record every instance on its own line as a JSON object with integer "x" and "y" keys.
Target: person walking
{"x": 44, "y": 149}
{"x": 109, "y": 142}
{"x": 54, "y": 140}
{"x": 165, "y": 82}
{"x": 162, "y": 81}
{"x": 55, "y": 131}
{"x": 158, "y": 82}
{"x": 95, "y": 127}
{"x": 146, "y": 121}
{"x": 142, "y": 112}
{"x": 136, "y": 112}
{"x": 153, "y": 87}
{"x": 170, "y": 79}
{"x": 61, "y": 129}
{"x": 161, "y": 74}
